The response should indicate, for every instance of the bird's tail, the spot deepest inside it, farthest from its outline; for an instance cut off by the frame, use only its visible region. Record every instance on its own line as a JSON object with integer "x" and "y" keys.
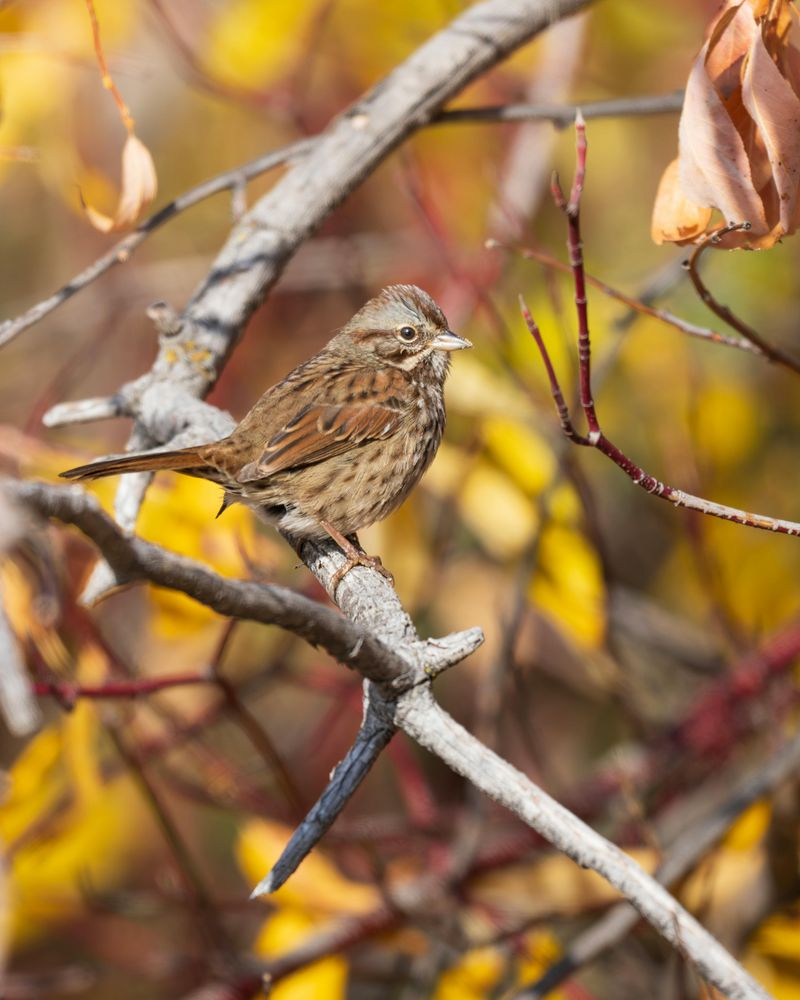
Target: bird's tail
{"x": 178, "y": 461}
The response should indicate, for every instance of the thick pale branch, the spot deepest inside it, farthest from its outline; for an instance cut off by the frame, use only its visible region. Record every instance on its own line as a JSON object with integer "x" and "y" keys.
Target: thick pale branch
{"x": 373, "y": 647}
{"x": 134, "y": 559}
{"x": 420, "y": 717}
{"x": 682, "y": 855}
{"x": 17, "y": 704}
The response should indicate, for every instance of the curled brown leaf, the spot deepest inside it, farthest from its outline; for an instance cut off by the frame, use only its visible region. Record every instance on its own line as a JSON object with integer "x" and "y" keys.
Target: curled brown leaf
{"x": 739, "y": 133}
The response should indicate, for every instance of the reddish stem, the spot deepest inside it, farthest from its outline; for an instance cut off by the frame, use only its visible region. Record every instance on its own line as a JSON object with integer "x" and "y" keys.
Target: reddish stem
{"x": 595, "y": 437}
{"x": 68, "y": 693}
{"x": 575, "y": 250}
{"x": 558, "y": 396}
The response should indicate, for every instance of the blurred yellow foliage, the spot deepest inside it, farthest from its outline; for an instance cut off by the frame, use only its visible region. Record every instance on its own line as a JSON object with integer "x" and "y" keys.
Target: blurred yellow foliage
{"x": 47, "y": 51}
{"x": 750, "y": 828}
{"x": 501, "y": 516}
{"x": 478, "y": 973}
{"x": 316, "y": 887}
{"x": 288, "y": 929}
{"x": 553, "y": 885}
{"x": 569, "y": 585}
{"x": 727, "y": 421}
{"x": 523, "y": 453}
{"x": 253, "y": 43}
{"x": 65, "y": 827}
{"x": 315, "y": 893}
{"x": 774, "y": 954}
{"x": 26, "y": 618}
{"x": 473, "y": 976}
{"x": 179, "y": 514}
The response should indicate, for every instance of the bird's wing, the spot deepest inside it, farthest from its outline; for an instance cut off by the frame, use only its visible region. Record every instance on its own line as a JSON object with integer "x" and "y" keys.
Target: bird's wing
{"x": 322, "y": 430}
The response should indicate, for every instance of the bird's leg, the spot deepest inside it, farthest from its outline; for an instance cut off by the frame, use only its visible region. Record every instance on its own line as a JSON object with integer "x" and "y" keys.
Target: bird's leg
{"x": 355, "y": 556}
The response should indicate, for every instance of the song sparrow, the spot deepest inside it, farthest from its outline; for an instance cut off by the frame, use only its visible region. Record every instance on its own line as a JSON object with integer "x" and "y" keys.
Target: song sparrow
{"x": 340, "y": 441}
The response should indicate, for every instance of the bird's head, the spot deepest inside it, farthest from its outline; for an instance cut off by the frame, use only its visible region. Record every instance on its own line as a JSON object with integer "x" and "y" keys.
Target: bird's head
{"x": 403, "y": 326}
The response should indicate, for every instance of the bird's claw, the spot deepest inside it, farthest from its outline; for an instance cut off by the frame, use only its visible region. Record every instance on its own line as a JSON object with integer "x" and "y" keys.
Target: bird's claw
{"x": 359, "y": 559}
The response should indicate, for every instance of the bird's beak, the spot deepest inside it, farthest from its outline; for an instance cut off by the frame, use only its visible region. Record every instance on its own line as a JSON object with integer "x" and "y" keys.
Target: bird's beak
{"x": 449, "y": 341}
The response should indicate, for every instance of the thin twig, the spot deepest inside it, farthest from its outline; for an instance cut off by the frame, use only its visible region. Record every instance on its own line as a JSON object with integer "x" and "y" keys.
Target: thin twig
{"x": 563, "y": 115}
{"x": 206, "y": 912}
{"x": 121, "y": 252}
{"x": 596, "y": 438}
{"x": 106, "y": 77}
{"x": 636, "y": 305}
{"x": 261, "y": 742}
{"x": 773, "y": 353}
{"x": 67, "y": 693}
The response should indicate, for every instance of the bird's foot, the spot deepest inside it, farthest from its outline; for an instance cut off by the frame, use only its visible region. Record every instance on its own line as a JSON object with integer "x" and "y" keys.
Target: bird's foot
{"x": 355, "y": 557}
{"x": 359, "y": 559}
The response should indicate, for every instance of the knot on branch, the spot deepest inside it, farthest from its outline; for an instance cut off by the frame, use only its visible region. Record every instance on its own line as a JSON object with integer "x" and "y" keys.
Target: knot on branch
{"x": 167, "y": 321}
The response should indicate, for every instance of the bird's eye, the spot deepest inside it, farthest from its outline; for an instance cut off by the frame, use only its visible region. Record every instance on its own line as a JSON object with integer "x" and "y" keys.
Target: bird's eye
{"x": 407, "y": 333}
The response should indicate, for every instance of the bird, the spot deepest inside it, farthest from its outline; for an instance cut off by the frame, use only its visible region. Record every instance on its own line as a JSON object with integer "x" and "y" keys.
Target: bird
{"x": 339, "y": 442}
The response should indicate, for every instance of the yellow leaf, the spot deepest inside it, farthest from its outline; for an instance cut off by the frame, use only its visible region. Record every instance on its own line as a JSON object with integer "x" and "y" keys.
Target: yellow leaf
{"x": 525, "y": 455}
{"x": 498, "y": 512}
{"x": 473, "y": 977}
{"x": 750, "y": 828}
{"x": 728, "y": 421}
{"x": 59, "y": 833}
{"x": 316, "y": 887}
{"x": 569, "y": 583}
{"x": 288, "y": 929}
{"x": 779, "y": 937}
{"x": 541, "y": 950}
{"x": 179, "y": 514}
{"x": 252, "y": 42}
{"x": 552, "y": 885}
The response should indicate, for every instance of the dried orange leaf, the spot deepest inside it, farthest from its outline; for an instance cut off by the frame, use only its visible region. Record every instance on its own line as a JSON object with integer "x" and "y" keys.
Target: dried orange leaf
{"x": 775, "y": 109}
{"x": 139, "y": 186}
{"x": 739, "y": 133}
{"x": 676, "y": 219}
{"x": 727, "y": 45}
{"x": 714, "y": 168}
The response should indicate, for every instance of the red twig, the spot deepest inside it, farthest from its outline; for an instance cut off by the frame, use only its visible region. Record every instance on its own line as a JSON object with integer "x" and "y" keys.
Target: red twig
{"x": 67, "y": 693}
{"x": 575, "y": 248}
{"x": 108, "y": 82}
{"x": 596, "y": 438}
{"x": 415, "y": 789}
{"x": 558, "y": 396}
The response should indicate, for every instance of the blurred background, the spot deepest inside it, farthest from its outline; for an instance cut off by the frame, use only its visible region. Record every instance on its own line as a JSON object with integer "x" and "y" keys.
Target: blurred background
{"x": 638, "y": 657}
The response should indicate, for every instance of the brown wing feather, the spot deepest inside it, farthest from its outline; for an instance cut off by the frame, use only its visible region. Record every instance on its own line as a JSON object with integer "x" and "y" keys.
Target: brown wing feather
{"x": 320, "y": 432}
